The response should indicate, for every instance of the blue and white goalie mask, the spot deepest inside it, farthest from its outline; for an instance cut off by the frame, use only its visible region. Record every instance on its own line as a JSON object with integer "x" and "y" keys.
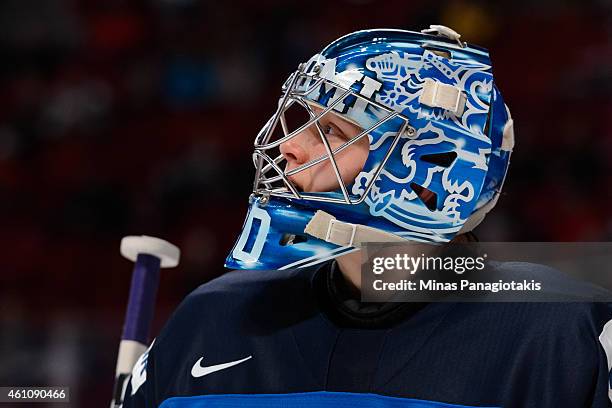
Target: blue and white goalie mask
{"x": 438, "y": 142}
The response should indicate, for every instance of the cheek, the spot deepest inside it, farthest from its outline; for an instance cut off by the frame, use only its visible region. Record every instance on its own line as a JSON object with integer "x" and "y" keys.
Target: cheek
{"x": 350, "y": 163}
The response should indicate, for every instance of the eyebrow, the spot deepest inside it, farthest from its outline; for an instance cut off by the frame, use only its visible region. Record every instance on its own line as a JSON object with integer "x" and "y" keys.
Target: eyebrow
{"x": 348, "y": 129}
{"x": 345, "y": 126}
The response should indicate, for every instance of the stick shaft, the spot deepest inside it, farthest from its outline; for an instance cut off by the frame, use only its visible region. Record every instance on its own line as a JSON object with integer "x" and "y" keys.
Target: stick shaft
{"x": 138, "y": 317}
{"x": 141, "y": 303}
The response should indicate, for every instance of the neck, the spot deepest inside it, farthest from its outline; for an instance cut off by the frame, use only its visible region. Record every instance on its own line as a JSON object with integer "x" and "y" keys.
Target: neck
{"x": 350, "y": 264}
{"x": 350, "y": 267}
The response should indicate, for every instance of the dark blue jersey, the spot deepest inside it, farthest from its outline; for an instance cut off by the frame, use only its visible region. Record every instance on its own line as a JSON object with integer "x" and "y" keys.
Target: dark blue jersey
{"x": 298, "y": 338}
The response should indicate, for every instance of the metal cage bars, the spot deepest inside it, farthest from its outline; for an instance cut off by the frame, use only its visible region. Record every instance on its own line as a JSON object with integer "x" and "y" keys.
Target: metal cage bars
{"x": 290, "y": 97}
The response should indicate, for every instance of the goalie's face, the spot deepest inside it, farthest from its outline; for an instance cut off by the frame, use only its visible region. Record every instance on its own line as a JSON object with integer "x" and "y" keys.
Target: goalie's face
{"x": 308, "y": 145}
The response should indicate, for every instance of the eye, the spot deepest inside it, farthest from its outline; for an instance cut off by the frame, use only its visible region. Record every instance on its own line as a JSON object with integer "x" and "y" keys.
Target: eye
{"x": 332, "y": 130}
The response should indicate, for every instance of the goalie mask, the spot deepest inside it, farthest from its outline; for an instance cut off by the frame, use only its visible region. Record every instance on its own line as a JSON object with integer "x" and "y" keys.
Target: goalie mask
{"x": 439, "y": 138}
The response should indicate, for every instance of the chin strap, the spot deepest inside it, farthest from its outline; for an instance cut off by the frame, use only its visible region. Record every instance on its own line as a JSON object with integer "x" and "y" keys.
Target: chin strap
{"x": 326, "y": 227}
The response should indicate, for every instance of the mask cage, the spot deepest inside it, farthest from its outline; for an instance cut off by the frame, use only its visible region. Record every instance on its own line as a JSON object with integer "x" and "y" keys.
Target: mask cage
{"x": 270, "y": 176}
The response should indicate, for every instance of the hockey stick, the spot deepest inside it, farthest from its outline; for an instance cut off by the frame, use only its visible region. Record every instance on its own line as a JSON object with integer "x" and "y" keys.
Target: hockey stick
{"x": 149, "y": 254}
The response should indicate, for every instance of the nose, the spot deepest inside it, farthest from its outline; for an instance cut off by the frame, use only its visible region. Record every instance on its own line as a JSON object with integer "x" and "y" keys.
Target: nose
{"x": 294, "y": 150}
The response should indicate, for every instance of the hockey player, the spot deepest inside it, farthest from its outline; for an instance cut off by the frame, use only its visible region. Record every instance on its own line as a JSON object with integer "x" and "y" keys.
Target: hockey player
{"x": 403, "y": 137}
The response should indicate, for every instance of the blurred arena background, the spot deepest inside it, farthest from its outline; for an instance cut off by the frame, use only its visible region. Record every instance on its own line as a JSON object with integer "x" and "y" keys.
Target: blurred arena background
{"x": 137, "y": 117}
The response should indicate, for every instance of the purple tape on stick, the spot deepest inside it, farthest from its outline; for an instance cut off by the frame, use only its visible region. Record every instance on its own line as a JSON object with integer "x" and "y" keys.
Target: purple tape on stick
{"x": 145, "y": 281}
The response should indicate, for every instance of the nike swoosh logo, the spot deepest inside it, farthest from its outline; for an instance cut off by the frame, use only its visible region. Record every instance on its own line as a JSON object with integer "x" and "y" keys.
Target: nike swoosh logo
{"x": 198, "y": 371}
